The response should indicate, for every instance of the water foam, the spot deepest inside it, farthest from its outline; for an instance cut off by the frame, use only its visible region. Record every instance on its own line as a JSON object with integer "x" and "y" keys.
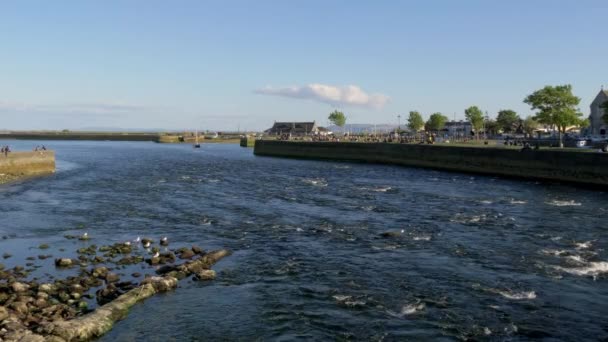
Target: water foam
{"x": 591, "y": 269}
{"x": 518, "y": 295}
{"x": 559, "y": 203}
{"x": 315, "y": 181}
{"x": 408, "y": 309}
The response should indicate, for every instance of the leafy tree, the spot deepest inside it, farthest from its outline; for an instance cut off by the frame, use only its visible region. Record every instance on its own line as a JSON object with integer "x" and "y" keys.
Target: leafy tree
{"x": 492, "y": 127}
{"x": 475, "y": 116}
{"x": 584, "y": 123}
{"x": 556, "y": 106}
{"x": 415, "y": 121}
{"x": 436, "y": 122}
{"x": 337, "y": 118}
{"x": 604, "y": 106}
{"x": 507, "y": 120}
{"x": 529, "y": 125}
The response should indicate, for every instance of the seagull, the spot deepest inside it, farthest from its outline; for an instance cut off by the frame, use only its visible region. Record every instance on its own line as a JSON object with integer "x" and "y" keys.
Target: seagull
{"x": 402, "y": 231}
{"x": 84, "y": 236}
{"x": 138, "y": 239}
{"x": 164, "y": 241}
{"x": 156, "y": 255}
{"x": 147, "y": 244}
{"x": 127, "y": 243}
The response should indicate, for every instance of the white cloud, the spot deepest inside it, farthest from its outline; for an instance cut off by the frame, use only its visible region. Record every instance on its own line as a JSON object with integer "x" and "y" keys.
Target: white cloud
{"x": 73, "y": 108}
{"x": 335, "y": 95}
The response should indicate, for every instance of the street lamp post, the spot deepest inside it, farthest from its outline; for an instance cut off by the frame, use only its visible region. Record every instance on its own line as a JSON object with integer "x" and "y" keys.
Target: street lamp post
{"x": 485, "y": 133}
{"x": 399, "y": 127}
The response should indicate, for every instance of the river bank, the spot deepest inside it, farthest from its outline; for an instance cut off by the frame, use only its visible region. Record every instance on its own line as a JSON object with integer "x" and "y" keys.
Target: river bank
{"x": 553, "y": 165}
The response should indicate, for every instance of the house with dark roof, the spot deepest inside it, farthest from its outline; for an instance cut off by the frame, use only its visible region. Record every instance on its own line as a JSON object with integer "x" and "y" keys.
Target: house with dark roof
{"x": 597, "y": 124}
{"x": 294, "y": 128}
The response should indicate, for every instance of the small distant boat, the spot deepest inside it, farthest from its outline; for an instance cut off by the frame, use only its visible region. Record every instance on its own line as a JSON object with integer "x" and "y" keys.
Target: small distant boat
{"x": 196, "y": 143}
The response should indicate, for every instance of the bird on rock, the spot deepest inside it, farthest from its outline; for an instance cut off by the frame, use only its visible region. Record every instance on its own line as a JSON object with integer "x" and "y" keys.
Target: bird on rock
{"x": 164, "y": 241}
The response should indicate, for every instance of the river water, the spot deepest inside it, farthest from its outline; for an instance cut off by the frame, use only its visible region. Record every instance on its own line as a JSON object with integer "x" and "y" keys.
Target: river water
{"x": 468, "y": 256}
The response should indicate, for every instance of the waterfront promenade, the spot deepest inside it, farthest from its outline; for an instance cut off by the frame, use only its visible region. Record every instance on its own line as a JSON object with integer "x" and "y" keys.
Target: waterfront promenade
{"x": 511, "y": 161}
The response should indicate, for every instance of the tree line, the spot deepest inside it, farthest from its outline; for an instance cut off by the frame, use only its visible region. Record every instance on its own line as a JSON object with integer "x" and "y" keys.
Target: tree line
{"x": 555, "y": 106}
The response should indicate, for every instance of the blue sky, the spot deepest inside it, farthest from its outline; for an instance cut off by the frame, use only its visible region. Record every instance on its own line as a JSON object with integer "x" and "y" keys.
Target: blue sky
{"x": 227, "y": 64}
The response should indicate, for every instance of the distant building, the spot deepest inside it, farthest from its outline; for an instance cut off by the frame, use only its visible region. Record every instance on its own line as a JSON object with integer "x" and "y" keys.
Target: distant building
{"x": 597, "y": 124}
{"x": 295, "y": 128}
{"x": 458, "y": 128}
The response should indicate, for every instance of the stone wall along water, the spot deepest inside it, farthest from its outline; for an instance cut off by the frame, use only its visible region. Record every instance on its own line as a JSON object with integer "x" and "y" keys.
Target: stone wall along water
{"x": 589, "y": 168}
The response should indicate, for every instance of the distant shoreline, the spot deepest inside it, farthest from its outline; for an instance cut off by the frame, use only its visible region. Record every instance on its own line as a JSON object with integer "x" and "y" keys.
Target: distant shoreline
{"x": 119, "y": 136}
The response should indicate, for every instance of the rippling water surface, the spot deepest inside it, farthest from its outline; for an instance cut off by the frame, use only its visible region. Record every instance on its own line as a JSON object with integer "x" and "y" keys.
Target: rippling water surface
{"x": 327, "y": 250}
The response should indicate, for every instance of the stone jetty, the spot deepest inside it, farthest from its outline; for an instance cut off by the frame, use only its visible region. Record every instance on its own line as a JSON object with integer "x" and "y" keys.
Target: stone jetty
{"x": 58, "y": 309}
{"x": 17, "y": 165}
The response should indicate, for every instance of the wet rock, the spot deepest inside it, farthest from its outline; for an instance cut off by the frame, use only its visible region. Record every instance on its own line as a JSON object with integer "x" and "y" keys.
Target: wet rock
{"x": 75, "y": 295}
{"x": 187, "y": 254}
{"x": 6, "y": 255}
{"x": 112, "y": 278}
{"x": 107, "y": 294}
{"x": 91, "y": 250}
{"x": 3, "y": 313}
{"x": 58, "y": 312}
{"x": 136, "y": 275}
{"x": 1, "y": 267}
{"x": 42, "y": 295}
{"x": 20, "y": 287}
{"x": 77, "y": 288}
{"x": 130, "y": 260}
{"x": 47, "y": 288}
{"x": 41, "y": 303}
{"x": 105, "y": 248}
{"x": 29, "y": 264}
{"x": 205, "y": 275}
{"x": 43, "y": 257}
{"x": 19, "y": 307}
{"x": 153, "y": 260}
{"x": 30, "y": 258}
{"x": 43, "y": 246}
{"x": 98, "y": 259}
{"x": 166, "y": 269}
{"x": 63, "y": 297}
{"x": 392, "y": 234}
{"x": 126, "y": 285}
{"x": 198, "y": 250}
{"x": 100, "y": 272}
{"x": 82, "y": 305}
{"x": 63, "y": 262}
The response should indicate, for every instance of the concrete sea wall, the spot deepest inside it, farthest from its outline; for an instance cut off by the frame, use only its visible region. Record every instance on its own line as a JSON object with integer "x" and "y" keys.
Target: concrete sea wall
{"x": 23, "y": 164}
{"x": 247, "y": 142}
{"x": 578, "y": 167}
